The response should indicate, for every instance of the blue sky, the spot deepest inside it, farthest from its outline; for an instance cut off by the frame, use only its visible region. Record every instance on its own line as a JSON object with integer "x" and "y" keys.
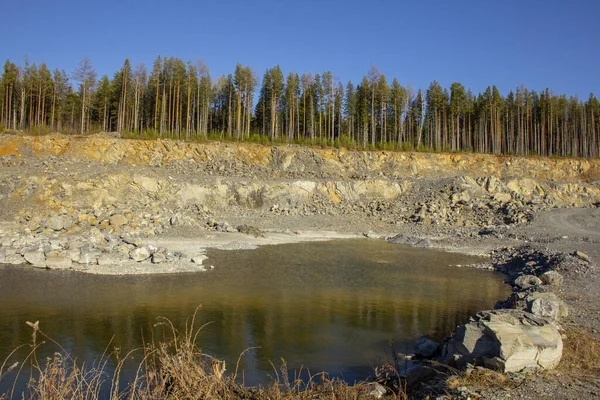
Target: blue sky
{"x": 537, "y": 43}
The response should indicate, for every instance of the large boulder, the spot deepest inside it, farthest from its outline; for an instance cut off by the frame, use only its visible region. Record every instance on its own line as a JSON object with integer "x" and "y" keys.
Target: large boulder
{"x": 505, "y": 340}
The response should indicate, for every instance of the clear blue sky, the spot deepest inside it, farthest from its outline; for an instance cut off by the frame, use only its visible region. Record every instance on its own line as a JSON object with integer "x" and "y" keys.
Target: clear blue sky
{"x": 538, "y": 43}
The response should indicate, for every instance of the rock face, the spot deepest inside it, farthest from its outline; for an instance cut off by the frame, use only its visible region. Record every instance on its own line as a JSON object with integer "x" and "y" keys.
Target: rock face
{"x": 506, "y": 340}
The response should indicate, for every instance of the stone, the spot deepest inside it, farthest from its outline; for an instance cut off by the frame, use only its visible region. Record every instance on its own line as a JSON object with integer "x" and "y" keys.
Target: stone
{"x": 545, "y": 308}
{"x": 582, "y": 256}
{"x": 2, "y": 255}
{"x": 426, "y": 348}
{"x": 158, "y": 258}
{"x": 502, "y": 197}
{"x": 527, "y": 281}
{"x": 118, "y": 220}
{"x": 378, "y": 391}
{"x": 508, "y": 340}
{"x": 14, "y": 259}
{"x": 56, "y": 223}
{"x": 89, "y": 255}
{"x": 547, "y": 305}
{"x": 421, "y": 372}
{"x": 55, "y": 260}
{"x": 55, "y": 244}
{"x": 552, "y": 278}
{"x": 140, "y": 254}
{"x": 175, "y": 220}
{"x": 74, "y": 254}
{"x": 462, "y": 197}
{"x": 199, "y": 258}
{"x": 132, "y": 240}
{"x": 35, "y": 258}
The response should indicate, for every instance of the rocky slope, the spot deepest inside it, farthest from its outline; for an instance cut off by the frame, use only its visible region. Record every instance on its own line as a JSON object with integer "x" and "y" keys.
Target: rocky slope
{"x": 151, "y": 185}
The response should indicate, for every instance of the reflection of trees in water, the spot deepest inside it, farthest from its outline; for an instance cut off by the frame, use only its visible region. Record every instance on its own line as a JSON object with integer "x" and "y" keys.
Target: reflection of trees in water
{"x": 358, "y": 296}
{"x": 272, "y": 319}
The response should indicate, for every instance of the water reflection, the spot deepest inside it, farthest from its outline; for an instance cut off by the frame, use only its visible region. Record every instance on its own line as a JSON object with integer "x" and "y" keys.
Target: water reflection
{"x": 331, "y": 306}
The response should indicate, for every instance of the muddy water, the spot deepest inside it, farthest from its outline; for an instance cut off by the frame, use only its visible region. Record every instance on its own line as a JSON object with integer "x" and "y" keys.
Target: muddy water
{"x": 333, "y": 306}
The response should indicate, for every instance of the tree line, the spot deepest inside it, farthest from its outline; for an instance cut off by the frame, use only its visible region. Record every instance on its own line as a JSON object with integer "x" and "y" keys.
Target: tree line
{"x": 181, "y": 100}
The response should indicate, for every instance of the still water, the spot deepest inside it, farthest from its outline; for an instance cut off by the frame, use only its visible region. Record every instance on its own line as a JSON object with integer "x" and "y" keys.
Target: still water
{"x": 327, "y": 306}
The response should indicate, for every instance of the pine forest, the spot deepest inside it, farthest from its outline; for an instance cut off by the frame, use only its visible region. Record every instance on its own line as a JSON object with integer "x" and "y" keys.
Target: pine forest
{"x": 175, "y": 99}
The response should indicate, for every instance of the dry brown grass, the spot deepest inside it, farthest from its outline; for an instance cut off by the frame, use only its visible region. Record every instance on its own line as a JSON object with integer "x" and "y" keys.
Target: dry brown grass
{"x": 581, "y": 353}
{"x": 173, "y": 367}
{"x": 478, "y": 378}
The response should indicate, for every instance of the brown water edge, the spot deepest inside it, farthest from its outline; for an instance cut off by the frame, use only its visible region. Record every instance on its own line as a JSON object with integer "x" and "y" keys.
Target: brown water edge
{"x": 333, "y": 306}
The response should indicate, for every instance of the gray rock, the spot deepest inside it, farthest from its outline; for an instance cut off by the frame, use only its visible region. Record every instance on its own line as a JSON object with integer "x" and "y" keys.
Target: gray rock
{"x": 158, "y": 258}
{"x": 35, "y": 258}
{"x": 135, "y": 241}
{"x": 582, "y": 256}
{"x": 55, "y": 244}
{"x": 2, "y": 255}
{"x": 74, "y": 254}
{"x": 13, "y": 258}
{"x": 545, "y": 308}
{"x": 89, "y": 256}
{"x": 527, "y": 281}
{"x": 552, "y": 278}
{"x": 502, "y": 197}
{"x": 508, "y": 340}
{"x": 463, "y": 197}
{"x": 426, "y": 348}
{"x": 118, "y": 220}
{"x": 55, "y": 260}
{"x": 175, "y": 220}
{"x": 140, "y": 254}
{"x": 547, "y": 305}
{"x": 56, "y": 223}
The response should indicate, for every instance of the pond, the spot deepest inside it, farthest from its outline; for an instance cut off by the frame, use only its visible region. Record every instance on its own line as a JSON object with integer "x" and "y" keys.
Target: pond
{"x": 335, "y": 306}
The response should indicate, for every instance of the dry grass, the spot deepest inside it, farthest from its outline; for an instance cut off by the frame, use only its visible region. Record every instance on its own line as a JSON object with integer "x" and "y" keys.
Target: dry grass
{"x": 581, "y": 353}
{"x": 173, "y": 367}
{"x": 478, "y": 378}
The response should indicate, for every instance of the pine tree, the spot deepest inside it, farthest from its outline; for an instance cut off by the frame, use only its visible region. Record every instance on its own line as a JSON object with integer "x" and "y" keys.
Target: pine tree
{"x": 86, "y": 76}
